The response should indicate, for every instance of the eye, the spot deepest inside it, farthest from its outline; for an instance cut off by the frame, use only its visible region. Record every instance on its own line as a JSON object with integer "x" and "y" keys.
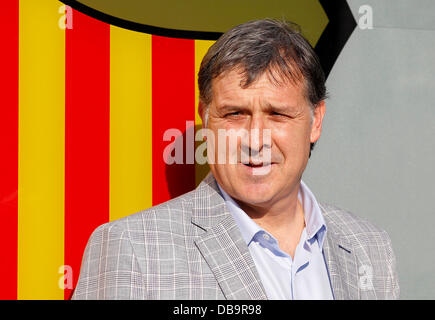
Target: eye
{"x": 235, "y": 113}
{"x": 278, "y": 114}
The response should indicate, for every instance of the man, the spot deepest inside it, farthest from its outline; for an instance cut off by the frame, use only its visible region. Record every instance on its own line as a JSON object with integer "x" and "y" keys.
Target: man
{"x": 252, "y": 229}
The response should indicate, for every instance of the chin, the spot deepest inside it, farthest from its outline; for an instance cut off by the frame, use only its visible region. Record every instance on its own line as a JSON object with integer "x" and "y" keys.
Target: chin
{"x": 255, "y": 194}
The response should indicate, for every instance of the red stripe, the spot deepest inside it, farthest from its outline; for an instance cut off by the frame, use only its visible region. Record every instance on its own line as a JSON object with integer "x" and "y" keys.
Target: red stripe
{"x": 9, "y": 149}
{"x": 86, "y": 135}
{"x": 173, "y": 94}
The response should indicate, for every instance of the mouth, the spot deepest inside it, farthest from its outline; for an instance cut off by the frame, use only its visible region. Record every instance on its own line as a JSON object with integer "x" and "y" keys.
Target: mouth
{"x": 256, "y": 165}
{"x": 258, "y": 168}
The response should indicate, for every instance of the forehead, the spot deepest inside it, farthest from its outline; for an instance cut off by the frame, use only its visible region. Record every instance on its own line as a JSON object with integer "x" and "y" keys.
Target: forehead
{"x": 228, "y": 87}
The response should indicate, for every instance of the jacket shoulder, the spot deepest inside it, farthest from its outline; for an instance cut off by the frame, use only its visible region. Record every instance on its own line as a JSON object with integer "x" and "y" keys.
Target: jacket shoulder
{"x": 146, "y": 229}
{"x": 371, "y": 244}
{"x": 176, "y": 211}
{"x": 120, "y": 251}
{"x": 346, "y": 223}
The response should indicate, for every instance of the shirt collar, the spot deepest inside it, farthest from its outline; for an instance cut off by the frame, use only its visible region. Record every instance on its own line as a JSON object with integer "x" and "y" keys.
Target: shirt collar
{"x": 314, "y": 221}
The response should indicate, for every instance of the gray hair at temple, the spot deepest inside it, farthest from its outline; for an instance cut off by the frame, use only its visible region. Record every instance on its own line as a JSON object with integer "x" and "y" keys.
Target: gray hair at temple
{"x": 259, "y": 46}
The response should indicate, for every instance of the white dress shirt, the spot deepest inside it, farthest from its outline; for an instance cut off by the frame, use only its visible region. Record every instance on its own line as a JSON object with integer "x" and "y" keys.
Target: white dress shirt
{"x": 305, "y": 276}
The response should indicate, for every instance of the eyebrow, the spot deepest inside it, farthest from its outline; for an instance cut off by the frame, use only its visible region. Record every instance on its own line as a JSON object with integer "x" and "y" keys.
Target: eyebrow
{"x": 227, "y": 107}
{"x": 280, "y": 108}
{"x": 267, "y": 106}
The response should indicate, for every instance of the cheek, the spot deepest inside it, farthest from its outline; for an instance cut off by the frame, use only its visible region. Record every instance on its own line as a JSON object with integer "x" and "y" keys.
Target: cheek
{"x": 293, "y": 143}
{"x": 291, "y": 135}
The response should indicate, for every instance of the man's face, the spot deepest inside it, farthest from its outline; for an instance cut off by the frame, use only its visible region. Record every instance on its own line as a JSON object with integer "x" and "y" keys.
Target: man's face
{"x": 282, "y": 109}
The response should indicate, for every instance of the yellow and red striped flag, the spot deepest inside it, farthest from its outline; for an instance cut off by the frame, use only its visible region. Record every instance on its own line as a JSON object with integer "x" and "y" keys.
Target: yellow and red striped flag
{"x": 84, "y": 109}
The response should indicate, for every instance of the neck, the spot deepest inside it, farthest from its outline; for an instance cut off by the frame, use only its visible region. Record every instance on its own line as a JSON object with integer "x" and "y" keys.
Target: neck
{"x": 285, "y": 215}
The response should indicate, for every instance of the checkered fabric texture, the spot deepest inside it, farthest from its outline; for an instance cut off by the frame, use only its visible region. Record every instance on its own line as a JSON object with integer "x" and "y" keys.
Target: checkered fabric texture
{"x": 190, "y": 248}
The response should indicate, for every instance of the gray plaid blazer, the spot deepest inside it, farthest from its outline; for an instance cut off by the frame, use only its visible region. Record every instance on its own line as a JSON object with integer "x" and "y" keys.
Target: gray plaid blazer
{"x": 191, "y": 248}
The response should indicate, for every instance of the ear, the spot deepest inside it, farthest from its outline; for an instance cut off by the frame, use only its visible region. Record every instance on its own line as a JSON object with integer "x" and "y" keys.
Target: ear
{"x": 201, "y": 111}
{"x": 316, "y": 128}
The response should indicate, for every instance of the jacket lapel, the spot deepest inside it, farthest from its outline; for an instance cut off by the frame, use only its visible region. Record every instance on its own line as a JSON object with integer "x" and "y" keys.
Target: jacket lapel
{"x": 222, "y": 246}
{"x": 342, "y": 265}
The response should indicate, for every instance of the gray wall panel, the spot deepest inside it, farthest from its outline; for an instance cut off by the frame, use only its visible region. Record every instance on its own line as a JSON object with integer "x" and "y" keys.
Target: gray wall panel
{"x": 377, "y": 153}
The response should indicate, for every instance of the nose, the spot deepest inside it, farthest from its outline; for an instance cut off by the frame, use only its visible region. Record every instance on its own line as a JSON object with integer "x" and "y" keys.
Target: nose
{"x": 256, "y": 134}
{"x": 260, "y": 142}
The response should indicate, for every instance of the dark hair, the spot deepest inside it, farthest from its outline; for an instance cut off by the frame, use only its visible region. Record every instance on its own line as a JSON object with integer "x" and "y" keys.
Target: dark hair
{"x": 267, "y": 45}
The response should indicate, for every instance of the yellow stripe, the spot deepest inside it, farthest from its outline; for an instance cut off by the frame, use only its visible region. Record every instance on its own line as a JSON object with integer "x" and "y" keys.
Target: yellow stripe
{"x": 130, "y": 122}
{"x": 201, "y": 47}
{"x": 41, "y": 150}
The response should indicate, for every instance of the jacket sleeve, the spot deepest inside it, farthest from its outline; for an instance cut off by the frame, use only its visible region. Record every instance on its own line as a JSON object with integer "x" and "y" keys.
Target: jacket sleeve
{"x": 109, "y": 269}
{"x": 392, "y": 269}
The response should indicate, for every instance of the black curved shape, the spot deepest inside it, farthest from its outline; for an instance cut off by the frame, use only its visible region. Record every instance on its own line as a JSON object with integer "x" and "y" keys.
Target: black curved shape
{"x": 173, "y": 33}
{"x": 337, "y": 32}
{"x": 340, "y": 26}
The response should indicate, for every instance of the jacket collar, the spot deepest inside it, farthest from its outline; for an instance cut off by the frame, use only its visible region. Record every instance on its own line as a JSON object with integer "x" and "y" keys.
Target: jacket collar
{"x": 222, "y": 246}
{"x": 209, "y": 208}
{"x": 341, "y": 260}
